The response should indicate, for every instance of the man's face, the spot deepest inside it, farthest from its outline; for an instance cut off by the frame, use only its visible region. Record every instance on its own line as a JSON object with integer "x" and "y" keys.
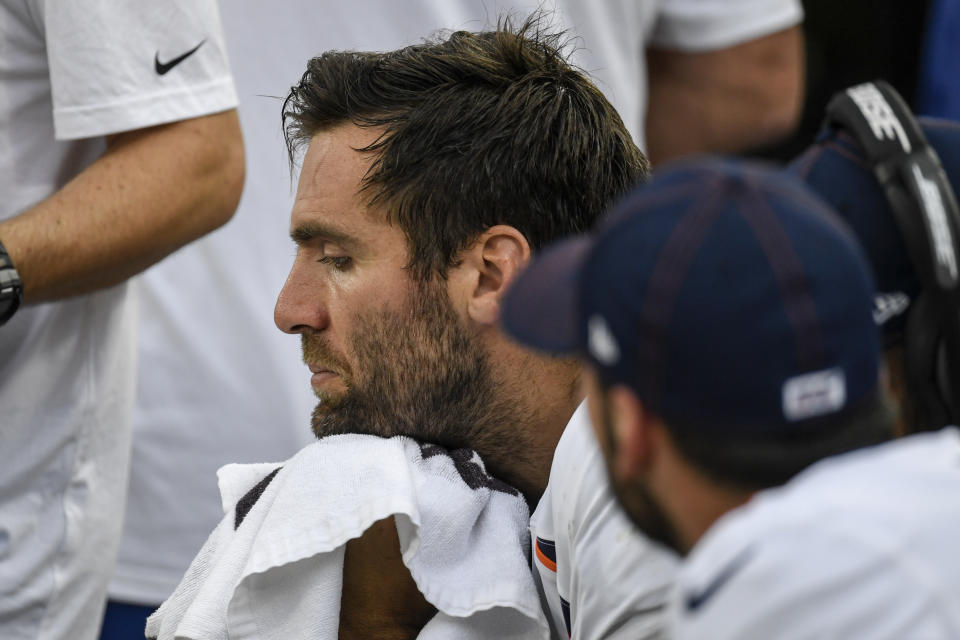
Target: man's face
{"x": 389, "y": 354}
{"x": 632, "y": 493}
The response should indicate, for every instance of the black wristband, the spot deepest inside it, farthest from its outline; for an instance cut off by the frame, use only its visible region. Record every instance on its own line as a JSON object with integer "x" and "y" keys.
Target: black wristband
{"x": 11, "y": 288}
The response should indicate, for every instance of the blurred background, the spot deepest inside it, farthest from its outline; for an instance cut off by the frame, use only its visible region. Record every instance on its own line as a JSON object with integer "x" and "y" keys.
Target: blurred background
{"x": 906, "y": 43}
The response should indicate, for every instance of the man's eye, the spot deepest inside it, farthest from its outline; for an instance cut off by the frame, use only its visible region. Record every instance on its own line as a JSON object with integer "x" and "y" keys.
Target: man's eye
{"x": 340, "y": 263}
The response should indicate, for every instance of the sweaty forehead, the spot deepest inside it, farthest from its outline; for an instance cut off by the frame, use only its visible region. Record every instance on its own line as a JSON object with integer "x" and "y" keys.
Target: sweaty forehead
{"x": 331, "y": 211}
{"x": 332, "y": 166}
{"x": 329, "y": 187}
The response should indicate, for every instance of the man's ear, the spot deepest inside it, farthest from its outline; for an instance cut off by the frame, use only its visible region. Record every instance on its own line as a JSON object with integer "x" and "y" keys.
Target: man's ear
{"x": 632, "y": 425}
{"x": 487, "y": 269}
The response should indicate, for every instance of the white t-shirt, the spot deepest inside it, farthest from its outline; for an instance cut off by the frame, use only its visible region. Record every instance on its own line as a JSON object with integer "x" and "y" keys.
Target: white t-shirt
{"x": 71, "y": 73}
{"x": 863, "y": 545}
{"x": 218, "y": 382}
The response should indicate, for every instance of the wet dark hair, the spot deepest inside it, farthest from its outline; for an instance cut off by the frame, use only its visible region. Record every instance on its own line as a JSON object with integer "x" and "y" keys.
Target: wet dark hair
{"x": 479, "y": 129}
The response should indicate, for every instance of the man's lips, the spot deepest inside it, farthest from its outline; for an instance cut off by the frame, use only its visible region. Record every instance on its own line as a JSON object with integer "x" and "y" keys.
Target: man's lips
{"x": 320, "y": 374}
{"x": 316, "y": 368}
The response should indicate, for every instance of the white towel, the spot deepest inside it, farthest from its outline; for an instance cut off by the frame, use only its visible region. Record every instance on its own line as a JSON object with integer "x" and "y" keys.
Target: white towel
{"x": 273, "y": 567}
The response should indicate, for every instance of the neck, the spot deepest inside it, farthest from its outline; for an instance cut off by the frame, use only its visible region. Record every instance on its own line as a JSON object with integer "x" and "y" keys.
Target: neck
{"x": 547, "y": 428}
{"x": 543, "y": 394}
{"x": 701, "y": 511}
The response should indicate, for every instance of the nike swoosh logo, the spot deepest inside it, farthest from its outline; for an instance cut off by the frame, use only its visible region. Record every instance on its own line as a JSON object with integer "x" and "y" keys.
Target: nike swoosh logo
{"x": 696, "y": 600}
{"x": 163, "y": 67}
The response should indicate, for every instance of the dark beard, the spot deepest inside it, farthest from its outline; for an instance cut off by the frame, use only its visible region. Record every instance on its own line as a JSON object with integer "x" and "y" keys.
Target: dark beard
{"x": 645, "y": 513}
{"x": 635, "y": 499}
{"x": 418, "y": 372}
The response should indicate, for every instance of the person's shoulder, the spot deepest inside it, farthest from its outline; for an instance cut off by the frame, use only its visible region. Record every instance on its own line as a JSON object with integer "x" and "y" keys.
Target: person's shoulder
{"x": 577, "y": 488}
{"x": 870, "y": 484}
{"x": 903, "y": 464}
{"x": 863, "y": 525}
{"x": 753, "y": 577}
{"x": 814, "y": 582}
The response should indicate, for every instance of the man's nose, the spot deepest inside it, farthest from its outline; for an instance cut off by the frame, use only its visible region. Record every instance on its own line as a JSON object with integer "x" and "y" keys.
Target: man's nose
{"x": 300, "y": 305}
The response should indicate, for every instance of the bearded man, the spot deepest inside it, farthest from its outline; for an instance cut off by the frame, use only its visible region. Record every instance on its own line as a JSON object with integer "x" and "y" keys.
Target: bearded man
{"x": 431, "y": 174}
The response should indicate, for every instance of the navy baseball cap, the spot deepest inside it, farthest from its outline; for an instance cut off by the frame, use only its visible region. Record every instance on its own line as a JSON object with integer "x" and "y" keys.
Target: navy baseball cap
{"x": 834, "y": 167}
{"x": 725, "y": 294}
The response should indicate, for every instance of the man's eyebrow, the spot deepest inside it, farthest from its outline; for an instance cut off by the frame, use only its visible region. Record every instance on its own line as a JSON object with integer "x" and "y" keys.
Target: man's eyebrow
{"x": 309, "y": 231}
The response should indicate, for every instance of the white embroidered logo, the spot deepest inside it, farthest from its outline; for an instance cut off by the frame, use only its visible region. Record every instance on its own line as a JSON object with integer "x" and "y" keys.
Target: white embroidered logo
{"x": 937, "y": 221}
{"x": 600, "y": 341}
{"x": 814, "y": 394}
{"x": 889, "y": 305}
{"x": 875, "y": 108}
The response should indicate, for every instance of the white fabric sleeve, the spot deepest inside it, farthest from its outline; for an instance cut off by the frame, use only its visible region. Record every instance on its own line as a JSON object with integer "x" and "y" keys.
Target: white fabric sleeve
{"x": 805, "y": 583}
{"x": 112, "y": 64}
{"x": 704, "y": 25}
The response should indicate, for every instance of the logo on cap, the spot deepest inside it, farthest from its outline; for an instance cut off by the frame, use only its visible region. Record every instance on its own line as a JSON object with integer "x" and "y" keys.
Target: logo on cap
{"x": 600, "y": 341}
{"x": 889, "y": 305}
{"x": 814, "y": 394}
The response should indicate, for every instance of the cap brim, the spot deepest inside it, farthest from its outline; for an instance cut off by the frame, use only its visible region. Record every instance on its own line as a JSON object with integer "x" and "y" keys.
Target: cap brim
{"x": 541, "y": 309}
